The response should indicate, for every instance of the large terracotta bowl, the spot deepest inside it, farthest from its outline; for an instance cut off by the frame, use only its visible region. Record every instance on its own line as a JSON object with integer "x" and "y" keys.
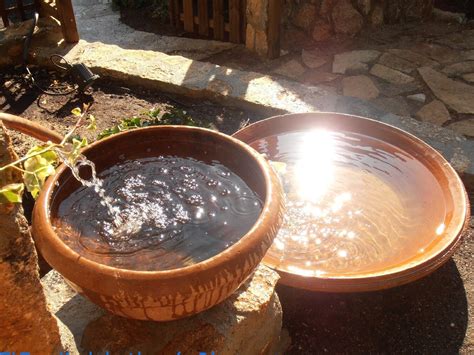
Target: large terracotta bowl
{"x": 412, "y": 201}
{"x": 171, "y": 294}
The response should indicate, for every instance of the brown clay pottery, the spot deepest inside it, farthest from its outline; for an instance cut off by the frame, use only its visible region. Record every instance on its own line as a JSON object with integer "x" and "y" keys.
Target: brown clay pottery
{"x": 368, "y": 206}
{"x": 176, "y": 293}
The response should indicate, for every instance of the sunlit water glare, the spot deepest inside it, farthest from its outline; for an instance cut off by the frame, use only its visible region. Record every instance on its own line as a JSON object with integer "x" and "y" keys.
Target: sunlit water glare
{"x": 354, "y": 203}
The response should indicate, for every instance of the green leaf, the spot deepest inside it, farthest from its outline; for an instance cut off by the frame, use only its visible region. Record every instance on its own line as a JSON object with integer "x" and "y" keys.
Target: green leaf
{"x": 92, "y": 123}
{"x": 38, "y": 168}
{"x": 76, "y": 112}
{"x": 11, "y": 193}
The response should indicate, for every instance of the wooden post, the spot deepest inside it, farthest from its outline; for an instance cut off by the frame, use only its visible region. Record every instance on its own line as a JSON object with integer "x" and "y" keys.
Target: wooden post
{"x": 234, "y": 21}
{"x": 218, "y": 19}
{"x": 203, "y": 18}
{"x": 243, "y": 22}
{"x": 188, "y": 15}
{"x": 274, "y": 28}
{"x": 68, "y": 21}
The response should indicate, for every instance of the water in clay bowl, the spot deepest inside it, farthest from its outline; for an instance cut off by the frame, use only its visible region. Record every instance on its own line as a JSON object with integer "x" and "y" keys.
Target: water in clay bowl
{"x": 195, "y": 212}
{"x": 368, "y": 206}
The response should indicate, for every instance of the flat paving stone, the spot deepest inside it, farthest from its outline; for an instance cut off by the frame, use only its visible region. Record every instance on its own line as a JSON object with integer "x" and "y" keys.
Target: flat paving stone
{"x": 354, "y": 61}
{"x": 391, "y": 75}
{"x": 457, "y": 95}
{"x": 360, "y": 86}
{"x": 434, "y": 112}
{"x": 313, "y": 58}
{"x": 395, "y": 62}
{"x": 414, "y": 57}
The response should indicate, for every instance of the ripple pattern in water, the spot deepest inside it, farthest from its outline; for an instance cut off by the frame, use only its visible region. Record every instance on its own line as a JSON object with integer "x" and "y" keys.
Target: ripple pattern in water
{"x": 354, "y": 203}
{"x": 173, "y": 212}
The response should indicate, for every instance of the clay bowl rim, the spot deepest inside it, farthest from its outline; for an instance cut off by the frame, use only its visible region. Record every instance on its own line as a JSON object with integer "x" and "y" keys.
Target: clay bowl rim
{"x": 245, "y": 243}
{"x": 390, "y": 276}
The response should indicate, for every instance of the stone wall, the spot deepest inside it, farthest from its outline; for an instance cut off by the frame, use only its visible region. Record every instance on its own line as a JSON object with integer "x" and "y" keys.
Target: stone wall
{"x": 257, "y": 26}
{"x": 323, "y": 18}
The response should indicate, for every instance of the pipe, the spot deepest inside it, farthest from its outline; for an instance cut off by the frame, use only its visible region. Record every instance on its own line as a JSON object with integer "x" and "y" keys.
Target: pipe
{"x": 30, "y": 128}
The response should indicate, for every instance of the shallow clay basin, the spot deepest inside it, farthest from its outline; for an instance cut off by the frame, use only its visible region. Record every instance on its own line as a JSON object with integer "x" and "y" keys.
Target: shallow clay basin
{"x": 170, "y": 294}
{"x": 368, "y": 206}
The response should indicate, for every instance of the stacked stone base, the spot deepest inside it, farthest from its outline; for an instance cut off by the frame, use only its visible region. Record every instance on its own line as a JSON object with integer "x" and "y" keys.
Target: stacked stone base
{"x": 249, "y": 322}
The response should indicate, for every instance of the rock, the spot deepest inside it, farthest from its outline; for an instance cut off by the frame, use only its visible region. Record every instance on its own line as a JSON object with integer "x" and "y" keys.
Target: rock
{"x": 391, "y": 90}
{"x": 304, "y": 16}
{"x": 326, "y": 8}
{"x": 417, "y": 97}
{"x": 465, "y": 127}
{"x": 416, "y": 10}
{"x": 434, "y": 112}
{"x": 360, "y": 86}
{"x": 313, "y": 58}
{"x": 364, "y": 6}
{"x": 292, "y": 69}
{"x": 416, "y": 58}
{"x": 447, "y": 16}
{"x": 457, "y": 95}
{"x": 346, "y": 19}
{"x": 458, "y": 69}
{"x": 26, "y": 322}
{"x": 392, "y": 61}
{"x": 353, "y": 61}
{"x": 376, "y": 17}
{"x": 315, "y": 77}
{"x": 390, "y": 75}
{"x": 322, "y": 30}
{"x": 469, "y": 77}
{"x": 249, "y": 322}
{"x": 395, "y": 105}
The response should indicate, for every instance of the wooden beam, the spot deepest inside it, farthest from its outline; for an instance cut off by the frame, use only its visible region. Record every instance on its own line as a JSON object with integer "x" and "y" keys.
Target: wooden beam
{"x": 243, "y": 22}
{"x": 188, "y": 15}
{"x": 234, "y": 21}
{"x": 211, "y": 23}
{"x": 203, "y": 18}
{"x": 68, "y": 21}
{"x": 218, "y": 19}
{"x": 274, "y": 28}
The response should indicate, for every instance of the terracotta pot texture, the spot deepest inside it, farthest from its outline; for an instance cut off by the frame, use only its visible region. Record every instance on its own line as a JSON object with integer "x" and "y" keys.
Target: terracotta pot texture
{"x": 171, "y": 294}
{"x": 416, "y": 266}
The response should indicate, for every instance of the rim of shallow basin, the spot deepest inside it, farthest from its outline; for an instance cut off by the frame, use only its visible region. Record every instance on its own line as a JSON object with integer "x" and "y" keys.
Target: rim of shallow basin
{"x": 392, "y": 274}
{"x": 245, "y": 242}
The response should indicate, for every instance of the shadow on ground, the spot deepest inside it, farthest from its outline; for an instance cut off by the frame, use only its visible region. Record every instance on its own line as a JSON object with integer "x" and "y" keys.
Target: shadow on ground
{"x": 429, "y": 316}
